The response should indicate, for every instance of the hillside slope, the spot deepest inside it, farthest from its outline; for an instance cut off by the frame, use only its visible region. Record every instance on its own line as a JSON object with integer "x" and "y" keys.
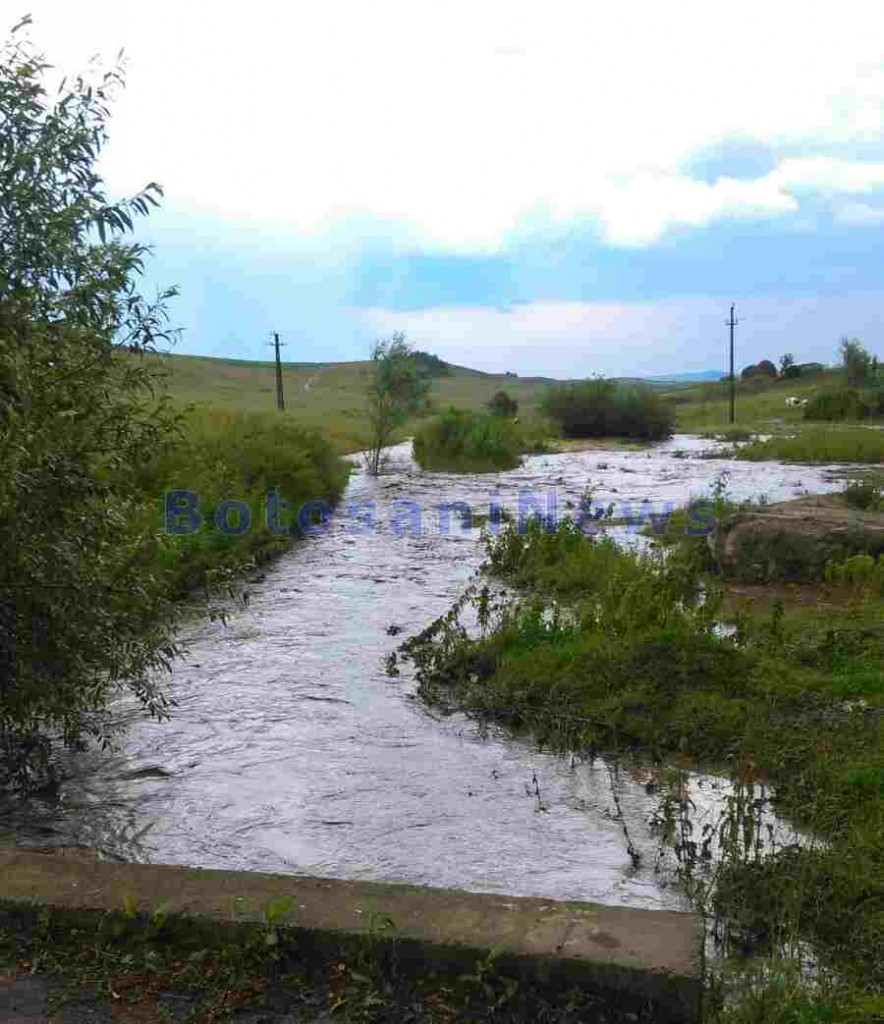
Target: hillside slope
{"x": 326, "y": 395}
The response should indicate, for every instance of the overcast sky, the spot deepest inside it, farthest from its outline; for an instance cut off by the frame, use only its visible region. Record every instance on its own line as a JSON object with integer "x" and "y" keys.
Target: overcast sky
{"x": 558, "y": 188}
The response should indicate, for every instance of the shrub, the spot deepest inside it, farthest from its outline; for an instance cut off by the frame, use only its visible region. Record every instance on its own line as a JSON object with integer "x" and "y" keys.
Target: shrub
{"x": 467, "y": 442}
{"x": 604, "y": 408}
{"x": 431, "y": 365}
{"x": 862, "y": 569}
{"x": 503, "y": 404}
{"x": 764, "y": 369}
{"x": 843, "y": 404}
{"x": 865, "y": 494}
{"x": 241, "y": 456}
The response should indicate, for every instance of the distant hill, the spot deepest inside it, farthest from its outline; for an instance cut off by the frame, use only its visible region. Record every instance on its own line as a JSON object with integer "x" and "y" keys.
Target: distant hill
{"x": 688, "y": 378}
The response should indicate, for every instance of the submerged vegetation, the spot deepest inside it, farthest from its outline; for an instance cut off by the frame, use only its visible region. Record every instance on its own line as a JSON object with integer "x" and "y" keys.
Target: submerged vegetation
{"x": 601, "y": 649}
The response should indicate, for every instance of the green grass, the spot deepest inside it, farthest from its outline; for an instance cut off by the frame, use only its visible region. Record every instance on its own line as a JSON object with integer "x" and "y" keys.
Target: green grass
{"x": 329, "y": 396}
{"x": 760, "y": 405}
{"x": 603, "y": 649}
{"x": 138, "y": 965}
{"x": 238, "y": 456}
{"x": 820, "y": 444}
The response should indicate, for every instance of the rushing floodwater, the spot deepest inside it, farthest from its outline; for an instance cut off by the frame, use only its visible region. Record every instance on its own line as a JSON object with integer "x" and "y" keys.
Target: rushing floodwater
{"x": 292, "y": 750}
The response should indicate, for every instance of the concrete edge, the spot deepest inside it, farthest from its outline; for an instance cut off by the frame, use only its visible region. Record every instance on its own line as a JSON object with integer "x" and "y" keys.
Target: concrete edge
{"x": 638, "y": 960}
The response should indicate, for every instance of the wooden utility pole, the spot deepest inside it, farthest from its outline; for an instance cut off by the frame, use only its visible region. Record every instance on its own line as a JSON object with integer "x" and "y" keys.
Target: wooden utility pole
{"x": 732, "y": 323}
{"x": 280, "y": 399}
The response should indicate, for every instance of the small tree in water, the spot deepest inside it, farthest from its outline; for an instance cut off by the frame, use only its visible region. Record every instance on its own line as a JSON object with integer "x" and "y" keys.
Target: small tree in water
{"x": 397, "y": 390}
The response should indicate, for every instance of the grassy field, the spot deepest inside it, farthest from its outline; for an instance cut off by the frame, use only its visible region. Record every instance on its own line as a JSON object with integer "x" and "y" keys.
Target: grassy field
{"x": 704, "y": 408}
{"x": 822, "y": 443}
{"x": 330, "y": 397}
{"x": 327, "y": 395}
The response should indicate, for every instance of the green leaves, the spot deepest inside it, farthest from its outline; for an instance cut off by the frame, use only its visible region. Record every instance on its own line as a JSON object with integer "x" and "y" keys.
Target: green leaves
{"x": 397, "y": 390}
{"x": 83, "y": 604}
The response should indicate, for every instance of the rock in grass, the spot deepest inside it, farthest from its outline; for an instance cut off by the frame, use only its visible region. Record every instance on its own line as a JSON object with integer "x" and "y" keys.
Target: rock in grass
{"x": 794, "y": 540}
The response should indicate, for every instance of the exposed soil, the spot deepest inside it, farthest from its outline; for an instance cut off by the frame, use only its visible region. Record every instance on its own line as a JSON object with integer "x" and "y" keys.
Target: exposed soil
{"x": 792, "y": 541}
{"x": 761, "y": 597}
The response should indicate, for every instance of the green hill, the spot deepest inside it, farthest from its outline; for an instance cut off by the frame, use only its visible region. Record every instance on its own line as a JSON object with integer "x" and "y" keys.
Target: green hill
{"x": 328, "y": 395}
{"x": 331, "y": 395}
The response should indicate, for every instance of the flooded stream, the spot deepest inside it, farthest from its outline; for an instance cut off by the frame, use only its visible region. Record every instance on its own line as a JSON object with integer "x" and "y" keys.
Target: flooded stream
{"x": 292, "y": 750}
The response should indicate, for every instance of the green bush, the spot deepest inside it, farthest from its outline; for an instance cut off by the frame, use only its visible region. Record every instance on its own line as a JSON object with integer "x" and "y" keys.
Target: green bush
{"x": 844, "y": 404}
{"x": 459, "y": 441}
{"x": 503, "y": 404}
{"x": 240, "y": 456}
{"x": 863, "y": 569}
{"x": 605, "y": 408}
{"x": 865, "y": 494}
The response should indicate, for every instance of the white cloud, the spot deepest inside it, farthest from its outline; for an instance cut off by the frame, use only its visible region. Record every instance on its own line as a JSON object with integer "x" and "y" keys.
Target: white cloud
{"x": 461, "y": 123}
{"x": 858, "y": 214}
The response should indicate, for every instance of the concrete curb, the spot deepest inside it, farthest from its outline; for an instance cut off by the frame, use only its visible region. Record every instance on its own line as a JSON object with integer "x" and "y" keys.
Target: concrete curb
{"x": 637, "y": 959}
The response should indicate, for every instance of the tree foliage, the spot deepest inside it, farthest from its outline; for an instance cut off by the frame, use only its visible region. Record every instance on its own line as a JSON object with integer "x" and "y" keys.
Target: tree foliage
{"x": 502, "y": 404}
{"x": 788, "y": 369}
{"x": 397, "y": 389}
{"x": 82, "y": 605}
{"x": 860, "y": 366}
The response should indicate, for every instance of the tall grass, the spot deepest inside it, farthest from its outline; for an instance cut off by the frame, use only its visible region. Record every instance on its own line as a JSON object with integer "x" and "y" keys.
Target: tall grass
{"x": 459, "y": 441}
{"x": 820, "y": 444}
{"x": 604, "y": 408}
{"x": 605, "y": 650}
{"x": 234, "y": 455}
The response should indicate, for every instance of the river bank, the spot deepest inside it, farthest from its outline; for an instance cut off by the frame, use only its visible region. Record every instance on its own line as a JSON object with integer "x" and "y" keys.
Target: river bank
{"x": 628, "y": 654}
{"x": 292, "y": 749}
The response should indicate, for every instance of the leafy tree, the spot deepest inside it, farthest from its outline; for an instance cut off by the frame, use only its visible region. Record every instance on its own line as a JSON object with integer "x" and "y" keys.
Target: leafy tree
{"x": 431, "y": 365}
{"x": 860, "y": 366}
{"x": 502, "y": 404}
{"x": 397, "y": 389}
{"x": 787, "y": 366}
{"x": 82, "y": 606}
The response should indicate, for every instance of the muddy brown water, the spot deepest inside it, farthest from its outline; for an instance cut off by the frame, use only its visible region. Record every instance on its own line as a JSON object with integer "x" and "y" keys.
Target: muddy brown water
{"x": 292, "y": 750}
